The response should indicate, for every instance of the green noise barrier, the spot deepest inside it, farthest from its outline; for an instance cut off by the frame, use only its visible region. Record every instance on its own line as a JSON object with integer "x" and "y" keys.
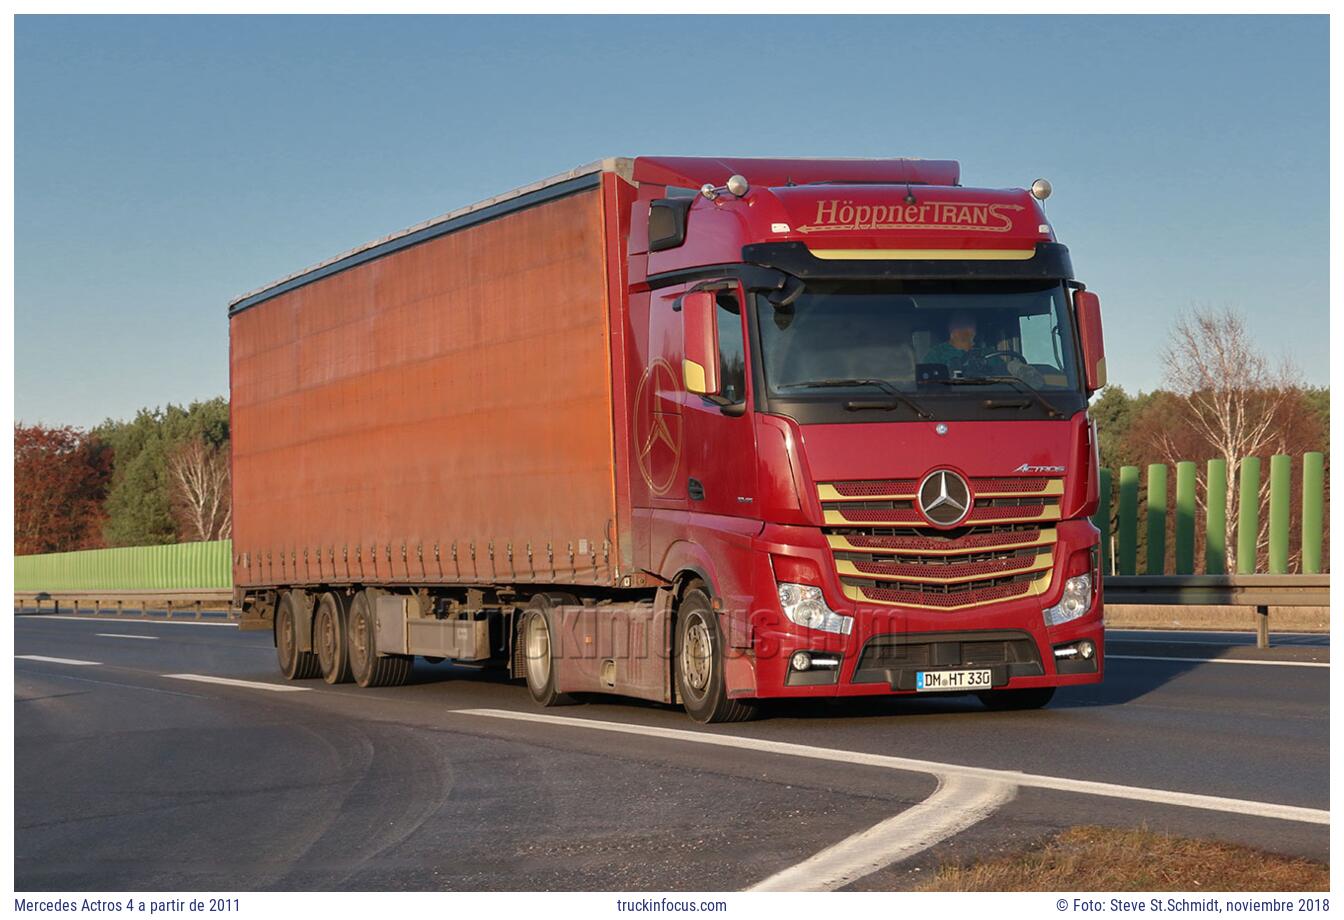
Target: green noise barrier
{"x": 177, "y": 566}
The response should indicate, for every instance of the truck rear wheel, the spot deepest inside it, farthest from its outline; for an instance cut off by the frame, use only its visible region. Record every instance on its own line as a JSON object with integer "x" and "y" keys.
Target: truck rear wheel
{"x": 539, "y": 655}
{"x": 294, "y": 664}
{"x": 330, "y": 638}
{"x": 698, "y": 662}
{"x": 366, "y": 666}
{"x": 1005, "y": 700}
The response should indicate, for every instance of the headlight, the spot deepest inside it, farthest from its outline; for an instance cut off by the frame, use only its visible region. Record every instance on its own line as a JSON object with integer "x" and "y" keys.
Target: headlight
{"x": 804, "y": 605}
{"x": 1073, "y": 603}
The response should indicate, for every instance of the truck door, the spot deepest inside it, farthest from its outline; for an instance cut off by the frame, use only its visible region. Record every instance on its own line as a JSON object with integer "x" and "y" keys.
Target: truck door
{"x": 720, "y": 444}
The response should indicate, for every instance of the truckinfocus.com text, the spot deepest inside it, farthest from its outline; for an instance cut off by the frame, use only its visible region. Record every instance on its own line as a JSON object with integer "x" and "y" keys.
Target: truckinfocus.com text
{"x": 660, "y": 905}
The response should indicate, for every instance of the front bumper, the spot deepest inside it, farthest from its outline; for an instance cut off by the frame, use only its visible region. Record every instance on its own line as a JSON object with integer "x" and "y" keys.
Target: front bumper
{"x": 889, "y": 645}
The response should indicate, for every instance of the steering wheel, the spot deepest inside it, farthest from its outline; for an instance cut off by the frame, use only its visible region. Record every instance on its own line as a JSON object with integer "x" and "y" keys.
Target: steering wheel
{"x": 1011, "y": 354}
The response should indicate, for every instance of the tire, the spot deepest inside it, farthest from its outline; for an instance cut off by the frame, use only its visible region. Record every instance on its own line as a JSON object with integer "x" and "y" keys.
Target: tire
{"x": 366, "y": 666}
{"x": 698, "y": 661}
{"x": 1007, "y": 700}
{"x": 534, "y": 634}
{"x": 294, "y": 664}
{"x": 330, "y": 639}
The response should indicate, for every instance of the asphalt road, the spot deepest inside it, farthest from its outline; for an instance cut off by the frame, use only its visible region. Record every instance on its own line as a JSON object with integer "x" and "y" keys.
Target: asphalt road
{"x": 127, "y": 778}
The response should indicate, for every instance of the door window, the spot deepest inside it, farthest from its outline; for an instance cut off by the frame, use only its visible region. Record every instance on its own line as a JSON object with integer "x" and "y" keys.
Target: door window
{"x": 732, "y": 348}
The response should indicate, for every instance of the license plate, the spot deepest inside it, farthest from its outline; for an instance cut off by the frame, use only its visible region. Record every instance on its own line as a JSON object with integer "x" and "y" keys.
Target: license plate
{"x": 953, "y": 680}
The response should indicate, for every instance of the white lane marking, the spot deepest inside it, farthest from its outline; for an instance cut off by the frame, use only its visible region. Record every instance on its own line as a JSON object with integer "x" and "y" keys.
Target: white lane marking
{"x": 42, "y": 617}
{"x": 112, "y": 683}
{"x": 1282, "y": 664}
{"x": 125, "y": 636}
{"x": 959, "y": 802}
{"x": 232, "y": 682}
{"x": 57, "y": 660}
{"x": 1031, "y": 780}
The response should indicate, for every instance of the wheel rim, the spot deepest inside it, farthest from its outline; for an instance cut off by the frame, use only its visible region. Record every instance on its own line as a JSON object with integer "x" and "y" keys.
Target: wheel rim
{"x": 285, "y": 638}
{"x": 537, "y": 646}
{"x": 697, "y": 654}
{"x": 359, "y": 640}
{"x": 327, "y": 638}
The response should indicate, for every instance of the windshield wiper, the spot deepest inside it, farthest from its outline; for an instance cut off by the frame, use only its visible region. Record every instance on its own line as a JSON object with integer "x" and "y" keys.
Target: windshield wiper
{"x": 883, "y": 385}
{"x": 1020, "y": 385}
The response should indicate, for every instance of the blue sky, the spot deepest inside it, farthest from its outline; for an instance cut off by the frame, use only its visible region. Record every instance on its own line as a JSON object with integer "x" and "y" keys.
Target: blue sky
{"x": 164, "y": 165}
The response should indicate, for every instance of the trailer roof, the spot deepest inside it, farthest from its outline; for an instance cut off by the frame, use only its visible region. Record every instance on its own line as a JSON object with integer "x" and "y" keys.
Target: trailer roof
{"x": 577, "y": 179}
{"x": 685, "y": 171}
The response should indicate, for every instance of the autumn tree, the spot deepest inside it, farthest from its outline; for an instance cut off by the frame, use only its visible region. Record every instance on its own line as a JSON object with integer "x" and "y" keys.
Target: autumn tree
{"x": 60, "y": 479}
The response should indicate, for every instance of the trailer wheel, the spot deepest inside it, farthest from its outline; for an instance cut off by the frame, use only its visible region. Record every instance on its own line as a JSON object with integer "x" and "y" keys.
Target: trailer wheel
{"x": 698, "y": 660}
{"x": 1006, "y": 700}
{"x": 368, "y": 669}
{"x": 539, "y": 655}
{"x": 330, "y": 638}
{"x": 294, "y": 664}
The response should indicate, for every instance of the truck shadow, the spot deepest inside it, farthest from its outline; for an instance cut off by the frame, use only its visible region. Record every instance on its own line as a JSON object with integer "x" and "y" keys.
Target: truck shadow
{"x": 1133, "y": 670}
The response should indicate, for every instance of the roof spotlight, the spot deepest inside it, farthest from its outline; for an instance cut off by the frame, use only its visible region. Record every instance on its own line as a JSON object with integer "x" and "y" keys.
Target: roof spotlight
{"x": 1040, "y": 189}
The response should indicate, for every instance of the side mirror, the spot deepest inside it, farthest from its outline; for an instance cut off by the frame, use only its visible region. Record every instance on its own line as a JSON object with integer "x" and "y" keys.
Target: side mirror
{"x": 1088, "y": 307}
{"x": 700, "y": 355}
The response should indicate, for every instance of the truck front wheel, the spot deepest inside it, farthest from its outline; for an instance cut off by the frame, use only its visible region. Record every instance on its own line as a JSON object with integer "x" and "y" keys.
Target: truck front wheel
{"x": 366, "y": 666}
{"x": 698, "y": 662}
{"x": 539, "y": 655}
{"x": 294, "y": 664}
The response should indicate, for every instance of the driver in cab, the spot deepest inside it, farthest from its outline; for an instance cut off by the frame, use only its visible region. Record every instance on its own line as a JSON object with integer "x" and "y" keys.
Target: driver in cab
{"x": 960, "y": 354}
{"x": 964, "y": 358}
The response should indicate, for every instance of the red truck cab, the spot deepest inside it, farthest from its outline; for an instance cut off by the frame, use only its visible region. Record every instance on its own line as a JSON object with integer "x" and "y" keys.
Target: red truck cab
{"x": 859, "y": 398}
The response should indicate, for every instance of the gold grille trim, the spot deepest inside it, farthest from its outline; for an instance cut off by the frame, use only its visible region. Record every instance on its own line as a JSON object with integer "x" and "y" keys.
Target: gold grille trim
{"x": 884, "y": 552}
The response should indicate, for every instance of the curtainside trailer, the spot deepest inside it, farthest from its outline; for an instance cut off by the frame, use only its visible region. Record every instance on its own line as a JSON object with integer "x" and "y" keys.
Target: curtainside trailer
{"x": 697, "y": 430}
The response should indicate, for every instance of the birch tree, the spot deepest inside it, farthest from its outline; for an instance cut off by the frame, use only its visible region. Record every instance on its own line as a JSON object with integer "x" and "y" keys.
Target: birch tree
{"x": 199, "y": 476}
{"x": 1231, "y": 396}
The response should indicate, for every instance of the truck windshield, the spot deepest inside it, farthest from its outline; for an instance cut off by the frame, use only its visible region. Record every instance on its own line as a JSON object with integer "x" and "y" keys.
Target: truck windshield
{"x": 921, "y": 338}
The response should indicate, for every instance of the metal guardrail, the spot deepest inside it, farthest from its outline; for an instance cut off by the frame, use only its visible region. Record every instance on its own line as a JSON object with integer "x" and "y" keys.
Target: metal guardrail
{"x": 142, "y": 604}
{"x": 1258, "y": 591}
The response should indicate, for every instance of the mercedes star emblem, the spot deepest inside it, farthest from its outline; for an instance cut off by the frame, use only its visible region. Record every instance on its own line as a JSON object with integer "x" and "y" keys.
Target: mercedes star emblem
{"x": 944, "y": 498}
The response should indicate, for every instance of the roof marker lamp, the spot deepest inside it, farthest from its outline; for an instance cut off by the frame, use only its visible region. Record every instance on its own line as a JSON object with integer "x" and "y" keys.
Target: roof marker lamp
{"x": 737, "y": 186}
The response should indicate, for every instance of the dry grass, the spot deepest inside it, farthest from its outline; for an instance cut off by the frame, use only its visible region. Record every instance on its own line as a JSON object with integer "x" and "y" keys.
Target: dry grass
{"x": 1115, "y": 859}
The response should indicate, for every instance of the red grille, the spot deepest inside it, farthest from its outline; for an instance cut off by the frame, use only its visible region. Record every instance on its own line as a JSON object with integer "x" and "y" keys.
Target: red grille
{"x": 912, "y": 516}
{"x": 996, "y": 539}
{"x": 861, "y": 488}
{"x": 1009, "y": 484}
{"x": 986, "y": 567}
{"x": 1006, "y": 512}
{"x": 969, "y": 542}
{"x": 895, "y": 515}
{"x": 956, "y": 599}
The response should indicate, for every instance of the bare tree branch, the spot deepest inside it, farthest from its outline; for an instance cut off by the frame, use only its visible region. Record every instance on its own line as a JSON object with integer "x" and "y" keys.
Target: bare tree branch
{"x": 200, "y": 485}
{"x": 1231, "y": 394}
